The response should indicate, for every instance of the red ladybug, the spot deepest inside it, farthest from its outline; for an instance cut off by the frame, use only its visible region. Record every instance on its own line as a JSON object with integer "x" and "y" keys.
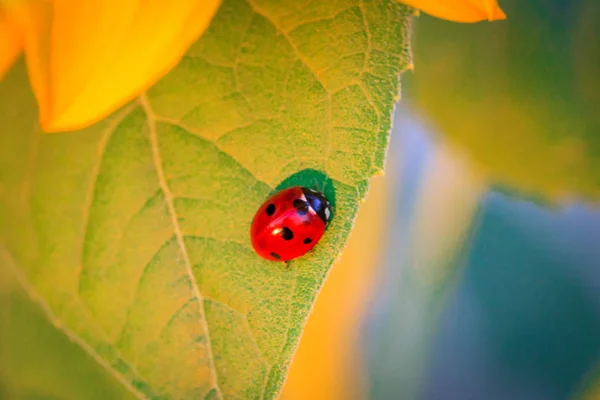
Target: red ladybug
{"x": 290, "y": 223}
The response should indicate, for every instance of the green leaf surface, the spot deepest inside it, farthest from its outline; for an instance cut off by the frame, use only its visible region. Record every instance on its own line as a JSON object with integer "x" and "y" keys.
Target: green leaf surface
{"x": 132, "y": 234}
{"x": 38, "y": 362}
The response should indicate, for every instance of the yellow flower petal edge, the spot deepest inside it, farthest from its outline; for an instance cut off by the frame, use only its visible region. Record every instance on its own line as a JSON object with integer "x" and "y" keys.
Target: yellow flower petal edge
{"x": 87, "y": 58}
{"x": 459, "y": 10}
{"x": 10, "y": 43}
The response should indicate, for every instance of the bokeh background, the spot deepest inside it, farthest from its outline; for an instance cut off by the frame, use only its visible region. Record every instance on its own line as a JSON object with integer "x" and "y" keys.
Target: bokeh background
{"x": 473, "y": 271}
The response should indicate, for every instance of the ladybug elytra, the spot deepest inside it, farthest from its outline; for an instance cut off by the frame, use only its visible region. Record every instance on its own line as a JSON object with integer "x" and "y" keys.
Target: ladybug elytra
{"x": 290, "y": 223}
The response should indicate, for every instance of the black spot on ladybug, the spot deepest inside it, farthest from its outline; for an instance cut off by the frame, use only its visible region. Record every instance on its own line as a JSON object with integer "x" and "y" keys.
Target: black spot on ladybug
{"x": 270, "y": 210}
{"x": 301, "y": 206}
{"x": 286, "y": 233}
{"x": 307, "y": 240}
{"x": 275, "y": 255}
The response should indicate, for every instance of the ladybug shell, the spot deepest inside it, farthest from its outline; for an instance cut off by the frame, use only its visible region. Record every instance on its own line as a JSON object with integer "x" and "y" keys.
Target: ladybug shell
{"x": 287, "y": 225}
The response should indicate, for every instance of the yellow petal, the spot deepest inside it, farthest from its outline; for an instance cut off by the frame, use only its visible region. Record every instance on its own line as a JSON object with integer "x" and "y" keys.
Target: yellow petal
{"x": 88, "y": 58}
{"x": 460, "y": 10}
{"x": 10, "y": 43}
{"x": 33, "y": 21}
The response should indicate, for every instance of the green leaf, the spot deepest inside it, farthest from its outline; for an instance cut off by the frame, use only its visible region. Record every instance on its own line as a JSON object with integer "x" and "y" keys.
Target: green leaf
{"x": 39, "y": 363}
{"x": 133, "y": 233}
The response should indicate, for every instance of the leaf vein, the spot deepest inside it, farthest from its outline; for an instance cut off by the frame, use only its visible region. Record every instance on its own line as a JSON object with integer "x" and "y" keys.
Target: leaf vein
{"x": 236, "y": 78}
{"x": 175, "y": 316}
{"x": 293, "y": 46}
{"x": 244, "y": 317}
{"x": 122, "y": 332}
{"x": 8, "y": 261}
{"x": 188, "y": 265}
{"x": 363, "y": 12}
{"x": 89, "y": 197}
{"x": 321, "y": 19}
{"x": 196, "y": 133}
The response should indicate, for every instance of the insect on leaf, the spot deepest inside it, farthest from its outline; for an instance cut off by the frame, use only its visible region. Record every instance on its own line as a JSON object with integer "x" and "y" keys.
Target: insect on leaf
{"x": 133, "y": 234}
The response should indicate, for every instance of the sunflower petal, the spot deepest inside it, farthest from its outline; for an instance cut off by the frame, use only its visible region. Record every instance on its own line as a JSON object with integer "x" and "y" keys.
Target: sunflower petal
{"x": 11, "y": 43}
{"x": 460, "y": 10}
{"x": 33, "y": 19}
{"x": 88, "y": 58}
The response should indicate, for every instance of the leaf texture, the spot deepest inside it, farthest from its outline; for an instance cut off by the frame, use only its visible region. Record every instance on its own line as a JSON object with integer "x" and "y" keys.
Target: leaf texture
{"x": 133, "y": 234}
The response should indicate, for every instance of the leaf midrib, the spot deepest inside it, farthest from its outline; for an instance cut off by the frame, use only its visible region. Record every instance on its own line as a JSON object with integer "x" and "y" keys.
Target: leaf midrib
{"x": 156, "y": 157}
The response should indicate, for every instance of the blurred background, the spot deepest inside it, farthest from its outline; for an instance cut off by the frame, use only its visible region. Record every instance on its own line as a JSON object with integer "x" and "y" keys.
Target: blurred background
{"x": 473, "y": 271}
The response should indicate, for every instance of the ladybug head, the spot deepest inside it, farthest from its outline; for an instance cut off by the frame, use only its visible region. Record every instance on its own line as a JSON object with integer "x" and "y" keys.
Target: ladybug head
{"x": 319, "y": 203}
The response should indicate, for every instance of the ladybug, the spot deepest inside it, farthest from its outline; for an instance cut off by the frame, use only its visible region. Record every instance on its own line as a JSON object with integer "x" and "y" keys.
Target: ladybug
{"x": 290, "y": 223}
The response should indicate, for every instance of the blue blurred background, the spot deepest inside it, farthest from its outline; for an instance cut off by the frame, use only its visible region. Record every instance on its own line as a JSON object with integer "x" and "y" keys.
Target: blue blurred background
{"x": 490, "y": 285}
{"x": 515, "y": 315}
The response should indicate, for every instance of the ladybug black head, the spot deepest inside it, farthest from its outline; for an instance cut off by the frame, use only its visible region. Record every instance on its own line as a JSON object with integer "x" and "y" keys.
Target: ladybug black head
{"x": 319, "y": 203}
